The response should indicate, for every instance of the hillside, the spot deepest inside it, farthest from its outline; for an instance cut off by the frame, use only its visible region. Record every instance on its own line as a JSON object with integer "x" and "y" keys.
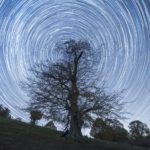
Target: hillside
{"x": 15, "y": 135}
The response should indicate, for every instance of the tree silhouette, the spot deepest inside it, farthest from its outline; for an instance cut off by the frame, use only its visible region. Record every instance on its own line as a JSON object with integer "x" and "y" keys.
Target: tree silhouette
{"x": 109, "y": 129}
{"x": 67, "y": 90}
{"x": 35, "y": 116}
{"x": 51, "y": 125}
{"x": 138, "y": 130}
{"x": 4, "y": 112}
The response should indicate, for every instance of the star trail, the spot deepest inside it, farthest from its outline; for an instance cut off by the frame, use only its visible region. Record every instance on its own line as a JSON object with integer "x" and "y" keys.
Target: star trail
{"x": 29, "y": 30}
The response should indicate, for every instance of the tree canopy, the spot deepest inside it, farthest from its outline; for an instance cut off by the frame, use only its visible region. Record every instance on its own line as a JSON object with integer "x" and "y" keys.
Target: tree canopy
{"x": 35, "y": 115}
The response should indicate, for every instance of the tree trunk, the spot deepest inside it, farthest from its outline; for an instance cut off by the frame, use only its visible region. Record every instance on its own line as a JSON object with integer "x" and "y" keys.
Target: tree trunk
{"x": 75, "y": 128}
{"x": 76, "y": 120}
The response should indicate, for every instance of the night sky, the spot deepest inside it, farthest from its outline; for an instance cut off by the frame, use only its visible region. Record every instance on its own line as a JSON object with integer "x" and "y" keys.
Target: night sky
{"x": 29, "y": 30}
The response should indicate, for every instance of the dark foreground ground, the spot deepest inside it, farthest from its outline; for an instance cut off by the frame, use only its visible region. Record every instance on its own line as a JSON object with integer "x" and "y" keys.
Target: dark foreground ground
{"x": 15, "y": 135}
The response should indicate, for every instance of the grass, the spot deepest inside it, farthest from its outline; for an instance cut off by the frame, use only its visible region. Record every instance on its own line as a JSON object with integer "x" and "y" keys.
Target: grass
{"x": 15, "y": 135}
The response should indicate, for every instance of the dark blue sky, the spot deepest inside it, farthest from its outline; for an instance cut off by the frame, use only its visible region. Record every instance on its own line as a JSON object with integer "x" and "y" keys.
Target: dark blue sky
{"x": 30, "y": 29}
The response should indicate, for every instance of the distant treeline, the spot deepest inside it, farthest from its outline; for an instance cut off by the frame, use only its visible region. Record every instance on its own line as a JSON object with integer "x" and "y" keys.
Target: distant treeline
{"x": 113, "y": 130}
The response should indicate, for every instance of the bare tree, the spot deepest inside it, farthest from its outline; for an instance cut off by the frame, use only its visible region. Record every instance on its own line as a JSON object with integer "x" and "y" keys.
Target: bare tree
{"x": 67, "y": 90}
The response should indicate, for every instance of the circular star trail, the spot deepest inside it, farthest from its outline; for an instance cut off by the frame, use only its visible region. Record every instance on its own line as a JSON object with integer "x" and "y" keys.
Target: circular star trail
{"x": 29, "y": 30}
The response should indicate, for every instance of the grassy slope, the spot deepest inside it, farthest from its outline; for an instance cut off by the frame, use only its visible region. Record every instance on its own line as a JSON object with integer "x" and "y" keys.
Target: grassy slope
{"x": 15, "y": 135}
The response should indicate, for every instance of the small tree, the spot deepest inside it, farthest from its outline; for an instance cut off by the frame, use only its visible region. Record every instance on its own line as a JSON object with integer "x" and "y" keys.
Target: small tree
{"x": 18, "y": 119}
{"x": 35, "y": 116}
{"x": 67, "y": 90}
{"x": 51, "y": 125}
{"x": 99, "y": 125}
{"x": 4, "y": 112}
{"x": 138, "y": 130}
